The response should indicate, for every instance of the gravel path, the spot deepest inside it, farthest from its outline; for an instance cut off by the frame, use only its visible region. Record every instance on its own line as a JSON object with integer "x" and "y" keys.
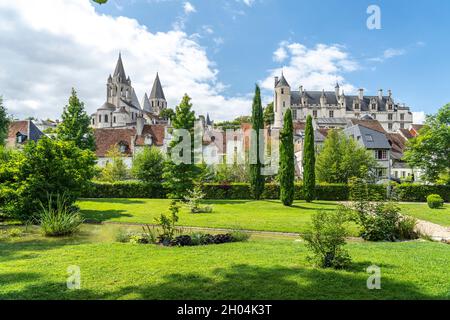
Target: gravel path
{"x": 435, "y": 231}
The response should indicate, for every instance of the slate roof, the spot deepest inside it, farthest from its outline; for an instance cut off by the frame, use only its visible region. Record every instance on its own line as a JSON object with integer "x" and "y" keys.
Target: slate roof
{"x": 146, "y": 104}
{"x": 157, "y": 91}
{"x": 369, "y": 138}
{"x": 371, "y": 124}
{"x": 282, "y": 82}
{"x": 24, "y": 127}
{"x": 120, "y": 71}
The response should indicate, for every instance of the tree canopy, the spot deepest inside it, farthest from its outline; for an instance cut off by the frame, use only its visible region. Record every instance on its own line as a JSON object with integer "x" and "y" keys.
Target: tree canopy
{"x": 430, "y": 150}
{"x": 4, "y": 123}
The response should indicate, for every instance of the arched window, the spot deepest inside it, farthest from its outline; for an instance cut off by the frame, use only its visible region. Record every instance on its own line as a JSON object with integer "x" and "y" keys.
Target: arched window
{"x": 106, "y": 118}
{"x": 99, "y": 118}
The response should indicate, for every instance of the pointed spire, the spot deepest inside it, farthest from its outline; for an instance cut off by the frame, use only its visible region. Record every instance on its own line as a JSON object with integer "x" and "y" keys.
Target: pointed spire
{"x": 157, "y": 91}
{"x": 146, "y": 104}
{"x": 208, "y": 120}
{"x": 283, "y": 82}
{"x": 120, "y": 71}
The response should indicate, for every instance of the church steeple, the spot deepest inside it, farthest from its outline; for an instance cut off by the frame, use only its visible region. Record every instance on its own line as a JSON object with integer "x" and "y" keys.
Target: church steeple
{"x": 157, "y": 98}
{"x": 120, "y": 71}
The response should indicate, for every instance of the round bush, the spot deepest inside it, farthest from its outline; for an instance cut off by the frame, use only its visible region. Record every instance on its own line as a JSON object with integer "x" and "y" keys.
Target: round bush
{"x": 435, "y": 201}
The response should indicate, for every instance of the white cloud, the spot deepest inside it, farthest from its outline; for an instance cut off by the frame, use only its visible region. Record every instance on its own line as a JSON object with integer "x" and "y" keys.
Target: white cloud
{"x": 248, "y": 2}
{"x": 315, "y": 68}
{"x": 189, "y": 8}
{"x": 418, "y": 117}
{"x": 388, "y": 54}
{"x": 49, "y": 46}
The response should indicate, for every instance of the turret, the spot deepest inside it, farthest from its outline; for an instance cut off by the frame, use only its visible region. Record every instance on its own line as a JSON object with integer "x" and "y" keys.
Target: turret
{"x": 282, "y": 100}
{"x": 157, "y": 98}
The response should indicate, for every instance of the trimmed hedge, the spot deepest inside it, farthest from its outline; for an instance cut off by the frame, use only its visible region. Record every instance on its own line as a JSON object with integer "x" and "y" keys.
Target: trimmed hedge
{"x": 419, "y": 193}
{"x": 236, "y": 191}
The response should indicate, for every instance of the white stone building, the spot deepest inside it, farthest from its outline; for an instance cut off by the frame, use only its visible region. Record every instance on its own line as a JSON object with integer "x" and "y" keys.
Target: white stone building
{"x": 331, "y": 109}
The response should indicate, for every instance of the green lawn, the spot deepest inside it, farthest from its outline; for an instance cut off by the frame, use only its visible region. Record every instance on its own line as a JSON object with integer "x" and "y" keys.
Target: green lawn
{"x": 268, "y": 215}
{"x": 252, "y": 215}
{"x": 422, "y": 211}
{"x": 263, "y": 268}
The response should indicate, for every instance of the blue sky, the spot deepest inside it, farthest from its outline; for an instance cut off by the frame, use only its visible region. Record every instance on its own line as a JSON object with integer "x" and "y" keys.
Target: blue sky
{"x": 216, "y": 50}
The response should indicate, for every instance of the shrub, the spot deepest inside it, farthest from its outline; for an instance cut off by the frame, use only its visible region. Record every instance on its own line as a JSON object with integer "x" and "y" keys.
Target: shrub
{"x": 196, "y": 238}
{"x": 124, "y": 189}
{"x": 193, "y": 200}
{"x": 61, "y": 219}
{"x": 222, "y": 238}
{"x": 435, "y": 201}
{"x": 148, "y": 165}
{"x": 138, "y": 239}
{"x": 115, "y": 170}
{"x": 122, "y": 236}
{"x": 182, "y": 241}
{"x": 406, "y": 227}
{"x": 239, "y": 236}
{"x": 167, "y": 224}
{"x": 419, "y": 192}
{"x": 326, "y": 239}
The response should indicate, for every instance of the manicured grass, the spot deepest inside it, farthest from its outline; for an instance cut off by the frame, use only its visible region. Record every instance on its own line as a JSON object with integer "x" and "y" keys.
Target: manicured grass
{"x": 263, "y": 268}
{"x": 251, "y": 215}
{"x": 422, "y": 211}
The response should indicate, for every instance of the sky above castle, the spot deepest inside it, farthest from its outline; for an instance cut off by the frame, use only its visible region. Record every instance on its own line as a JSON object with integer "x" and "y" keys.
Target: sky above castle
{"x": 217, "y": 50}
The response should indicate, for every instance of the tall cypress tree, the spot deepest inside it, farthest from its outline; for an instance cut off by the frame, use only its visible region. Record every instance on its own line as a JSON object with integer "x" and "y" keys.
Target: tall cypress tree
{"x": 75, "y": 124}
{"x": 287, "y": 162}
{"x": 309, "y": 162}
{"x": 4, "y": 123}
{"x": 256, "y": 178}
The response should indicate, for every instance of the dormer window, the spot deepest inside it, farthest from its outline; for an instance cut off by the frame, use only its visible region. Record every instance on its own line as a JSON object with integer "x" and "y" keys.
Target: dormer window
{"x": 356, "y": 105}
{"x": 123, "y": 147}
{"x": 21, "y": 138}
{"x": 389, "y": 106}
{"x": 374, "y": 106}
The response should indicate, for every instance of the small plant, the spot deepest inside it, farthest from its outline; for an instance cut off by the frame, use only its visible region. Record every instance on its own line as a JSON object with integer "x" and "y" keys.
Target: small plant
{"x": 239, "y": 236}
{"x": 60, "y": 218}
{"x": 122, "y": 236}
{"x": 14, "y": 233}
{"x": 435, "y": 201}
{"x": 167, "y": 224}
{"x": 183, "y": 241}
{"x": 138, "y": 239}
{"x": 407, "y": 228}
{"x": 326, "y": 239}
{"x": 193, "y": 200}
{"x": 196, "y": 238}
{"x": 151, "y": 233}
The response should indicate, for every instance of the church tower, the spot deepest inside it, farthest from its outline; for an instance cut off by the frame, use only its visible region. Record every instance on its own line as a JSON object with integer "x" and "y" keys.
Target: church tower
{"x": 119, "y": 86}
{"x": 282, "y": 100}
{"x": 157, "y": 99}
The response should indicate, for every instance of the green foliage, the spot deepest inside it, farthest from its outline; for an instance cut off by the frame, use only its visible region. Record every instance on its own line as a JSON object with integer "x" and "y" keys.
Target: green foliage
{"x": 240, "y": 236}
{"x": 269, "y": 115}
{"x": 419, "y": 192}
{"x": 101, "y": 1}
{"x": 379, "y": 220}
{"x": 167, "y": 224}
{"x": 431, "y": 148}
{"x": 167, "y": 114}
{"x": 148, "y": 165}
{"x": 286, "y": 173}
{"x": 234, "y": 124}
{"x": 178, "y": 178}
{"x": 193, "y": 200}
{"x": 309, "y": 161}
{"x": 116, "y": 169}
{"x": 435, "y": 201}
{"x": 4, "y": 123}
{"x": 46, "y": 167}
{"x": 224, "y": 173}
{"x": 342, "y": 158}
{"x": 75, "y": 124}
{"x": 59, "y": 218}
{"x": 124, "y": 189}
{"x": 326, "y": 239}
{"x": 256, "y": 178}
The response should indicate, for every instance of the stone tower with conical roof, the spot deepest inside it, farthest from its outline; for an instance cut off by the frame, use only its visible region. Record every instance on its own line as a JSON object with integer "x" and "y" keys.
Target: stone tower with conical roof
{"x": 157, "y": 98}
{"x": 119, "y": 86}
{"x": 282, "y": 100}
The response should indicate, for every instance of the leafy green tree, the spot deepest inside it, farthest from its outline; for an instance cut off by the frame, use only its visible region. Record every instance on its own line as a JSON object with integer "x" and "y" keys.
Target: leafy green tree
{"x": 430, "y": 150}
{"x": 148, "y": 165}
{"x": 43, "y": 168}
{"x": 256, "y": 178}
{"x": 342, "y": 158}
{"x": 269, "y": 115}
{"x": 287, "y": 161}
{"x": 167, "y": 114}
{"x": 309, "y": 161}
{"x": 116, "y": 169}
{"x": 179, "y": 178}
{"x": 75, "y": 124}
{"x": 4, "y": 123}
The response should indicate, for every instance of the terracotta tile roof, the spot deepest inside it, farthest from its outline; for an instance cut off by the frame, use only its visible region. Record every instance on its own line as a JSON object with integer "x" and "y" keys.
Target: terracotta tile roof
{"x": 299, "y": 125}
{"x": 156, "y": 131}
{"x": 17, "y": 126}
{"x": 107, "y": 138}
{"x": 417, "y": 127}
{"x": 397, "y": 142}
{"x": 371, "y": 124}
{"x": 324, "y": 132}
{"x": 406, "y": 133}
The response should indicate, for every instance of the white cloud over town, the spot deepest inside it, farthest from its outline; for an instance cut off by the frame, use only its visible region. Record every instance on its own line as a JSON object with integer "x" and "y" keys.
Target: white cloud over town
{"x": 53, "y": 45}
{"x": 314, "y": 68}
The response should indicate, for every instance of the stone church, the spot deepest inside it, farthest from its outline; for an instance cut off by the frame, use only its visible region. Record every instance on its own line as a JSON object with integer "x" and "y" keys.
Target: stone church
{"x": 333, "y": 109}
{"x": 122, "y": 108}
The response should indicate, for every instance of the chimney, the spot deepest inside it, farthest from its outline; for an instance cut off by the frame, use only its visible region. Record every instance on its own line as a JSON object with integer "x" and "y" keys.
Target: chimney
{"x": 276, "y": 81}
{"x": 380, "y": 94}
{"x": 390, "y": 93}
{"x": 361, "y": 94}
{"x": 301, "y": 90}
{"x": 140, "y": 125}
